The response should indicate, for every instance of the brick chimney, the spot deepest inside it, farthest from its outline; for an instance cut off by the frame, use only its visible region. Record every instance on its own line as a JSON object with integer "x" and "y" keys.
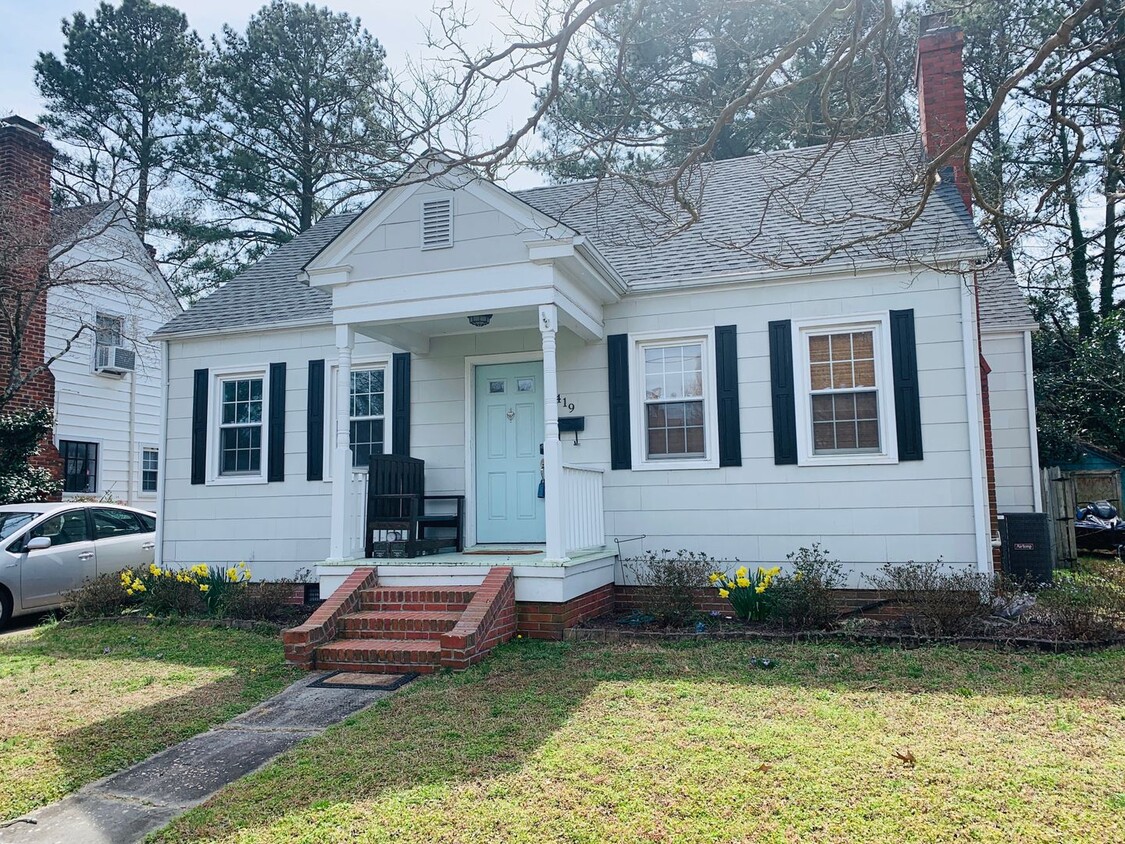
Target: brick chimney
{"x": 940, "y": 75}
{"x": 25, "y": 183}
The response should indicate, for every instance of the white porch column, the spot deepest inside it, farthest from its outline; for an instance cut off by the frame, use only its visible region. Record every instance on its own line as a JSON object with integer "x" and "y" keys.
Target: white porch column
{"x": 342, "y": 453}
{"x": 552, "y": 448}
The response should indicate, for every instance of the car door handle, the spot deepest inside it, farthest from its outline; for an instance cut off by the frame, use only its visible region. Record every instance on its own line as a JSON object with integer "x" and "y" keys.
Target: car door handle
{"x": 149, "y": 546}
{"x": 86, "y": 555}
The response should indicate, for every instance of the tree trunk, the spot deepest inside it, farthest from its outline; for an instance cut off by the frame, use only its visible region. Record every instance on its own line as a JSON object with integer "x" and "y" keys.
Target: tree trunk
{"x": 1079, "y": 267}
{"x": 144, "y": 165}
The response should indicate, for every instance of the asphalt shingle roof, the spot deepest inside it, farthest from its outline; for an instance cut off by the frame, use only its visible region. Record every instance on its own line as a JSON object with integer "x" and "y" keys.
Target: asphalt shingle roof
{"x": 823, "y": 206}
{"x": 268, "y": 293}
{"x": 1002, "y": 303}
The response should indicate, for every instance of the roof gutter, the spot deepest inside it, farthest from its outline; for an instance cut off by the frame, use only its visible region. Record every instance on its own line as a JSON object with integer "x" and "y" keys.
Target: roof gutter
{"x": 242, "y": 329}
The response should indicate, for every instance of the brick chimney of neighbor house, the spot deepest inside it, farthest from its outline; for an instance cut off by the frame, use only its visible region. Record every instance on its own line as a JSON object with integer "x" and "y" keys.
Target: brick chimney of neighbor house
{"x": 25, "y": 175}
{"x": 940, "y": 75}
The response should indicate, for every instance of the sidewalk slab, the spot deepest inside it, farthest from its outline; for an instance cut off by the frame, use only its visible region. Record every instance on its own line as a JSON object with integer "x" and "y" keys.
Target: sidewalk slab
{"x": 126, "y": 806}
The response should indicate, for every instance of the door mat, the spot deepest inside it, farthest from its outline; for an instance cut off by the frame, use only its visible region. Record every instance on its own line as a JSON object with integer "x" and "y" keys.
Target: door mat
{"x": 501, "y": 552}
{"x": 357, "y": 680}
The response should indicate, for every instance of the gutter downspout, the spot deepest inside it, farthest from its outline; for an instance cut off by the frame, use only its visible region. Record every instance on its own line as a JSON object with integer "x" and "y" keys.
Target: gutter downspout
{"x": 1033, "y": 425}
{"x": 162, "y": 454}
{"x": 971, "y": 351}
{"x": 130, "y": 486}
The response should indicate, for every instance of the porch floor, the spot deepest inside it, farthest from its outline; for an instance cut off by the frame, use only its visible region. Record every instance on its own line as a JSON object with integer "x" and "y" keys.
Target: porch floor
{"x": 499, "y": 555}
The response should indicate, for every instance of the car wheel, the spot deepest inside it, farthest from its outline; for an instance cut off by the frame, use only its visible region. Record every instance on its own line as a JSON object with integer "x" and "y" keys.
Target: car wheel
{"x": 5, "y": 607}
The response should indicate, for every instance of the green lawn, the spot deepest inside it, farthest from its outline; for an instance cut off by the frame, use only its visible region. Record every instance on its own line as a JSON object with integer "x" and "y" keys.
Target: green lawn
{"x": 77, "y": 703}
{"x": 685, "y": 743}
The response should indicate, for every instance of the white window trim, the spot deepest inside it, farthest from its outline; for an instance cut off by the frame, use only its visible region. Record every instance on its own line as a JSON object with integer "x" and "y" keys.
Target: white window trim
{"x": 637, "y": 342}
{"x": 141, "y": 491}
{"x": 215, "y": 416}
{"x": 372, "y": 362}
{"x": 880, "y": 326}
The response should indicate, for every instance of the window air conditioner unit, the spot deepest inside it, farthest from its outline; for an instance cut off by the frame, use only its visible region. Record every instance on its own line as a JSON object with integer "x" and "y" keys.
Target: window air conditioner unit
{"x": 116, "y": 360}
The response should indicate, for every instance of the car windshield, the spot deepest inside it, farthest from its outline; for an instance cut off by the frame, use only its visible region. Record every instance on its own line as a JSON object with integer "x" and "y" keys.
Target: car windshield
{"x": 11, "y": 522}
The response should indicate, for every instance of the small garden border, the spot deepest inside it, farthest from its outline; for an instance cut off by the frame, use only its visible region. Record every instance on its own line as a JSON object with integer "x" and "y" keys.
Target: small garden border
{"x": 903, "y": 640}
{"x": 228, "y": 623}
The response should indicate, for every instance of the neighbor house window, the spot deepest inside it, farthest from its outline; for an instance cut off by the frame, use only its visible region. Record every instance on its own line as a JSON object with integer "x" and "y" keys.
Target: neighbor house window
{"x": 108, "y": 330}
{"x": 80, "y": 466}
{"x": 843, "y": 404}
{"x": 241, "y": 408}
{"x": 150, "y": 469}
{"x": 367, "y": 414}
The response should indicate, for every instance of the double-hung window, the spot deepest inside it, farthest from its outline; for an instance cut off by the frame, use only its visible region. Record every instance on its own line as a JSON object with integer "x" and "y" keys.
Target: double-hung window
{"x": 844, "y": 402}
{"x": 367, "y": 414}
{"x": 241, "y": 411}
{"x": 674, "y": 401}
{"x": 150, "y": 469}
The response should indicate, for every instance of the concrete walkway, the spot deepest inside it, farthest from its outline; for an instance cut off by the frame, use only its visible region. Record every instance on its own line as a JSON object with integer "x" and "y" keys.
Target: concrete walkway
{"x": 126, "y": 806}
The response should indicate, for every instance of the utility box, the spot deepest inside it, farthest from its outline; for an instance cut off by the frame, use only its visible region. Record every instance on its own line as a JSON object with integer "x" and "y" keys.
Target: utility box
{"x": 1026, "y": 552}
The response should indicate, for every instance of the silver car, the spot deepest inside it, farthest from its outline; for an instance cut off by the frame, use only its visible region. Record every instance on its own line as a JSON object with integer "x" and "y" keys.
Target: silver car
{"x": 48, "y": 549}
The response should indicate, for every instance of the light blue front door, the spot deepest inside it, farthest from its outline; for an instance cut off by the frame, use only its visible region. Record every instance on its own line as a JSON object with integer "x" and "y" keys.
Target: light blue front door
{"x": 509, "y": 431}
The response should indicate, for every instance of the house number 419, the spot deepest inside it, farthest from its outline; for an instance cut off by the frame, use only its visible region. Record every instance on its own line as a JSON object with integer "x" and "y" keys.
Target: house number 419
{"x": 562, "y": 401}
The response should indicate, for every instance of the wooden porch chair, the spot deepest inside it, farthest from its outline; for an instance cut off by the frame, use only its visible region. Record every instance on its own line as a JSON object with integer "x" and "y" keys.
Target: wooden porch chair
{"x": 397, "y": 501}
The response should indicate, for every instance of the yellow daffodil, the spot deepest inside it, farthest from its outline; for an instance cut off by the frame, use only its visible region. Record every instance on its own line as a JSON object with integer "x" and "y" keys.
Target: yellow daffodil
{"x": 714, "y": 577}
{"x": 743, "y": 582}
{"x": 742, "y": 571}
{"x": 776, "y": 570}
{"x": 232, "y": 574}
{"x": 723, "y": 593}
{"x": 139, "y": 587}
{"x": 129, "y": 592}
{"x": 153, "y": 570}
{"x": 760, "y": 589}
{"x": 203, "y": 587}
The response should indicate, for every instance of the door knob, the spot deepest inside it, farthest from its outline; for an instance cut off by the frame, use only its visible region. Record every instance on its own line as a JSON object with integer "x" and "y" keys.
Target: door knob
{"x": 511, "y": 414}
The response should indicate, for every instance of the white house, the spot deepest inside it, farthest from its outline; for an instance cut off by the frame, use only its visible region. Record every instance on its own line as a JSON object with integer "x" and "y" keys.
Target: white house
{"x": 782, "y": 372}
{"x": 108, "y": 384}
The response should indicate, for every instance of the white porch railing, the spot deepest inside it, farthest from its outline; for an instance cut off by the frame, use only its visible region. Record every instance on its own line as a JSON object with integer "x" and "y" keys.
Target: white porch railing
{"x": 357, "y": 515}
{"x": 583, "y": 516}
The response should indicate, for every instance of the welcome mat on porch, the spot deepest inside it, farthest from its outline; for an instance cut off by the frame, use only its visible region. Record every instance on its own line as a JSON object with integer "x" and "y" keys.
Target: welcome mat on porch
{"x": 355, "y": 680}
{"x": 501, "y": 552}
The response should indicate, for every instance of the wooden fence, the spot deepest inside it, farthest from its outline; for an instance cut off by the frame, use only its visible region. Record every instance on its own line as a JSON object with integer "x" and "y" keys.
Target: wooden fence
{"x": 1063, "y": 492}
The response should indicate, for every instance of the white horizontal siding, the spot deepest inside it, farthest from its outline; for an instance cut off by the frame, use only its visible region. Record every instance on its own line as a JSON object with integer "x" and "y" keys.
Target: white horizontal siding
{"x": 92, "y": 407}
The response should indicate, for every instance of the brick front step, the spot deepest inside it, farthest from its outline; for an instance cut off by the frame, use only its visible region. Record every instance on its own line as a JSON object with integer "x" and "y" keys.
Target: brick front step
{"x": 397, "y": 624}
{"x": 416, "y": 600}
{"x": 383, "y": 655}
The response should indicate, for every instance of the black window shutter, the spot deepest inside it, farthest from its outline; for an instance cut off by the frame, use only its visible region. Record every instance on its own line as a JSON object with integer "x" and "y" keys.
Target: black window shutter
{"x": 726, "y": 383}
{"x": 904, "y": 358}
{"x": 783, "y": 393}
{"x": 315, "y": 426}
{"x": 620, "y": 445}
{"x": 276, "y": 455}
{"x": 199, "y": 428}
{"x": 400, "y": 404}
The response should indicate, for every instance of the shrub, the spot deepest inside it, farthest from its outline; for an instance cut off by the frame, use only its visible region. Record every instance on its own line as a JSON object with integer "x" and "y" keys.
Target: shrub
{"x": 21, "y": 433}
{"x": 165, "y": 591}
{"x": 669, "y": 582}
{"x": 98, "y": 597}
{"x": 268, "y": 600}
{"x": 937, "y": 599}
{"x": 750, "y": 595}
{"x": 805, "y": 597}
{"x": 1086, "y": 604}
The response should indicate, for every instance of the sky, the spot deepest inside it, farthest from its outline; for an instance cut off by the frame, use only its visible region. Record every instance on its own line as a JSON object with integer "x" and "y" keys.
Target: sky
{"x": 31, "y": 26}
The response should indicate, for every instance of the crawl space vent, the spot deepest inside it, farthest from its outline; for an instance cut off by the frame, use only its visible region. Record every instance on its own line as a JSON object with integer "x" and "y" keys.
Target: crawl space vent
{"x": 437, "y": 223}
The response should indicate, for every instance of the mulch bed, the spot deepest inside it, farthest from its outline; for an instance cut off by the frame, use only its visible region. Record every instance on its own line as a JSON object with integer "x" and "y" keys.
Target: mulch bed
{"x": 999, "y": 634}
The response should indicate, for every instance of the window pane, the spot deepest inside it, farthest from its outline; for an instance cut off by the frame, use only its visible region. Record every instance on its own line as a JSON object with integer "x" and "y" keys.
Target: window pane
{"x": 64, "y": 528}
{"x": 824, "y": 436}
{"x": 150, "y": 463}
{"x": 112, "y": 523}
{"x": 108, "y": 330}
{"x": 80, "y": 466}
{"x": 865, "y": 373}
{"x": 866, "y": 406}
{"x": 240, "y": 450}
{"x": 868, "y": 434}
{"x": 863, "y": 345}
{"x": 821, "y": 376}
{"x": 525, "y": 385}
{"x": 844, "y": 406}
{"x": 818, "y": 349}
{"x": 366, "y": 440}
{"x": 822, "y": 408}
{"x": 495, "y": 386}
{"x": 675, "y": 429}
{"x": 842, "y": 376}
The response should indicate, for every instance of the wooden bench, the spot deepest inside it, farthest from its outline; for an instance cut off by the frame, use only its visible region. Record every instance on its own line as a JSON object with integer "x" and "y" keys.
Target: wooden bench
{"x": 397, "y": 502}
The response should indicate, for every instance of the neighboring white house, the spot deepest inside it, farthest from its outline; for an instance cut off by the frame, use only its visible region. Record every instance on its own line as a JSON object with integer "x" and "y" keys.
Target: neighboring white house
{"x": 782, "y": 372}
{"x": 108, "y": 385}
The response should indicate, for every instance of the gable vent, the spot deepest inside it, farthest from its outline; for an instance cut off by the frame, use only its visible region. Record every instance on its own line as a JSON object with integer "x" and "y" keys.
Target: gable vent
{"x": 437, "y": 223}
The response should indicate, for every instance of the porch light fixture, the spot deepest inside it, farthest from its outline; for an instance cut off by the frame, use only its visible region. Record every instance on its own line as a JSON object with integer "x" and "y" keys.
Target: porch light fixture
{"x": 480, "y": 320}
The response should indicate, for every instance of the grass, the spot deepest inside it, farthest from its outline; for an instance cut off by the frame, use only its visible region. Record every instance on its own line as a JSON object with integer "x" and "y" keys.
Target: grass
{"x": 686, "y": 742}
{"x": 77, "y": 703}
